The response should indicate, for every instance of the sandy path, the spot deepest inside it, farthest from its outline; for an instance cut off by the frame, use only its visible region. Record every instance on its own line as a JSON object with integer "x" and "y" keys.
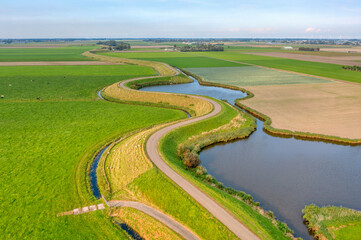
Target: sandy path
{"x": 63, "y": 63}
{"x": 161, "y": 217}
{"x": 208, "y": 203}
{"x": 313, "y": 58}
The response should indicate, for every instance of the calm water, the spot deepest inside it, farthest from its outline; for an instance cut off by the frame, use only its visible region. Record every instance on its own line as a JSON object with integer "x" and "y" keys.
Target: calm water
{"x": 282, "y": 174}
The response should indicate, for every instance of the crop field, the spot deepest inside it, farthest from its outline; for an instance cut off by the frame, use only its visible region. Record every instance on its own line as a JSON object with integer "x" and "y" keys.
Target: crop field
{"x": 251, "y": 76}
{"x": 313, "y": 68}
{"x": 178, "y": 59}
{"x": 44, "y": 54}
{"x": 43, "y": 143}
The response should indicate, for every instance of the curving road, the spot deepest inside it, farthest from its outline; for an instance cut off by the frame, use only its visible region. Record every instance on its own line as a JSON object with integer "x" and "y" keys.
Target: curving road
{"x": 166, "y": 220}
{"x": 214, "y": 208}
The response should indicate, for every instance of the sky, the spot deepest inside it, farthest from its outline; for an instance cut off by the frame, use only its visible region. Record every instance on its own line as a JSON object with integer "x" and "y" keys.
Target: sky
{"x": 180, "y": 19}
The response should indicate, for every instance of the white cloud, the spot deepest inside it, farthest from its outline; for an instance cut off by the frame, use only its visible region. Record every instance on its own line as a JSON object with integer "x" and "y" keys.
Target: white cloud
{"x": 312, "y": 30}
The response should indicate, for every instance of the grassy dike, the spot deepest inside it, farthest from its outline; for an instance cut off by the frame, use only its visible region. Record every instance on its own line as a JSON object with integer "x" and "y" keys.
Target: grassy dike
{"x": 332, "y": 222}
{"x": 246, "y": 210}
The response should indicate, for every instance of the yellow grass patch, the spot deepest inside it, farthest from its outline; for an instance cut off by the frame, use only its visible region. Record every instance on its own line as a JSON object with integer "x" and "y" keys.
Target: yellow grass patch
{"x": 126, "y": 161}
{"x": 162, "y": 68}
{"x": 146, "y": 226}
{"x": 199, "y": 106}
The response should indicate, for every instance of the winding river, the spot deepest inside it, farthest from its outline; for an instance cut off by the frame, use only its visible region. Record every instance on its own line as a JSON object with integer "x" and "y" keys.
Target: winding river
{"x": 283, "y": 174}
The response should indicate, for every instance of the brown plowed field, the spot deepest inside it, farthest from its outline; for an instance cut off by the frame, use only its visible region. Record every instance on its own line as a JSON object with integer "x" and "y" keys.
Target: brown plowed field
{"x": 56, "y": 63}
{"x": 325, "y": 108}
{"x": 312, "y": 58}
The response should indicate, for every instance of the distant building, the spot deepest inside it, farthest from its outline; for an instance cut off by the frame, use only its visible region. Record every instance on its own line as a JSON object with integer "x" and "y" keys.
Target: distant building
{"x": 287, "y": 48}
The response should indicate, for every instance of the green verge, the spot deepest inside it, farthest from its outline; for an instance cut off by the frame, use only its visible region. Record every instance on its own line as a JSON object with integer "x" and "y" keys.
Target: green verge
{"x": 333, "y": 222}
{"x": 47, "y": 145}
{"x": 262, "y": 225}
{"x": 72, "y": 53}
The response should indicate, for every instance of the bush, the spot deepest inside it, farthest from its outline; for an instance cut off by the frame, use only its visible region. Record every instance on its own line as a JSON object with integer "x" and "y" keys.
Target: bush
{"x": 190, "y": 159}
{"x": 199, "y": 172}
{"x": 209, "y": 178}
{"x": 220, "y": 185}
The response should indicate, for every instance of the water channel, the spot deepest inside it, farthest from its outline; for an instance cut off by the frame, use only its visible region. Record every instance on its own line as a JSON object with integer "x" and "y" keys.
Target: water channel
{"x": 283, "y": 174}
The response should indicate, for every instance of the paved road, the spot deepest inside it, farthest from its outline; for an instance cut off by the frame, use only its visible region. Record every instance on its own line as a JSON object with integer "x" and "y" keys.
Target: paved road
{"x": 166, "y": 220}
{"x": 214, "y": 208}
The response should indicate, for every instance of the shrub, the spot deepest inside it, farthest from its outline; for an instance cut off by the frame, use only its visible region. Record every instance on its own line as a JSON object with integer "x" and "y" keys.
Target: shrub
{"x": 220, "y": 185}
{"x": 209, "y": 178}
{"x": 199, "y": 172}
{"x": 190, "y": 159}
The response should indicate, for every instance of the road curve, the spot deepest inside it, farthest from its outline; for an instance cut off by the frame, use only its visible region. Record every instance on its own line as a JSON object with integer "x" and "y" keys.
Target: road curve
{"x": 214, "y": 208}
{"x": 166, "y": 220}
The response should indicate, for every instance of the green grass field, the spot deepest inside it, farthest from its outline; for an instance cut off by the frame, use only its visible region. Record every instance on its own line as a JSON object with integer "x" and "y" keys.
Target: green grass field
{"x": 179, "y": 59}
{"x": 42, "y": 143}
{"x": 62, "y": 82}
{"x": 333, "y": 222}
{"x": 72, "y": 53}
{"x": 313, "y": 68}
{"x": 251, "y": 76}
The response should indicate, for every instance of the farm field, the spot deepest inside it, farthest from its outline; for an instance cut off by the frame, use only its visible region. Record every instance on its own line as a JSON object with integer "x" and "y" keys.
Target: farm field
{"x": 327, "y": 108}
{"x": 44, "y": 141}
{"x": 346, "y": 60}
{"x": 179, "y": 59}
{"x": 327, "y": 70}
{"x": 251, "y": 76}
{"x": 70, "y": 53}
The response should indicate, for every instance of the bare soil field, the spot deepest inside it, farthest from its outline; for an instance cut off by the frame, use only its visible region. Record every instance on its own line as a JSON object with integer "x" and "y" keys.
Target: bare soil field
{"x": 346, "y": 60}
{"x": 325, "y": 108}
{"x": 355, "y": 49}
{"x": 65, "y": 63}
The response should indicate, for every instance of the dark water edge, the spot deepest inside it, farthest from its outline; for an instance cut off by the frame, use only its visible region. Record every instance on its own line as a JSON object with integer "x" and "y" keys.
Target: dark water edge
{"x": 93, "y": 174}
{"x": 283, "y": 174}
{"x": 131, "y": 232}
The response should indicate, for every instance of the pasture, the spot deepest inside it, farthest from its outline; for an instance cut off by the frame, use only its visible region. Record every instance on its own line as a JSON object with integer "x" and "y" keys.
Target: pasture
{"x": 43, "y": 142}
{"x": 72, "y": 53}
{"x": 251, "y": 76}
{"x": 178, "y": 59}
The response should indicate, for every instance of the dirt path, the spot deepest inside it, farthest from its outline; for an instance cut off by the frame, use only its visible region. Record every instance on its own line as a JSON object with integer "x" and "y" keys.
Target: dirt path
{"x": 161, "y": 217}
{"x": 214, "y": 208}
{"x": 62, "y": 63}
{"x": 312, "y": 58}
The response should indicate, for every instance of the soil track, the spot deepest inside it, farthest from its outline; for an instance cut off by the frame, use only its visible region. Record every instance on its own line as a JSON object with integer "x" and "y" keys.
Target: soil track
{"x": 312, "y": 58}
{"x": 63, "y": 63}
{"x": 214, "y": 208}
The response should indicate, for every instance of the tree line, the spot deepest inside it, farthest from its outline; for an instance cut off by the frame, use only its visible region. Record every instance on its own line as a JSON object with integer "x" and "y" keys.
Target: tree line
{"x": 114, "y": 45}
{"x": 202, "y": 48}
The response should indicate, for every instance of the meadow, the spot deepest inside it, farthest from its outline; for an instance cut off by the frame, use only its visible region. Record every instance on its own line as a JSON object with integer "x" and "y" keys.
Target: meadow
{"x": 183, "y": 60}
{"x": 43, "y": 143}
{"x": 71, "y": 53}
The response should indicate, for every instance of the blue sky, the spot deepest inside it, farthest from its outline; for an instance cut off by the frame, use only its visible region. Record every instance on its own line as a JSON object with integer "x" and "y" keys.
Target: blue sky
{"x": 180, "y": 18}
